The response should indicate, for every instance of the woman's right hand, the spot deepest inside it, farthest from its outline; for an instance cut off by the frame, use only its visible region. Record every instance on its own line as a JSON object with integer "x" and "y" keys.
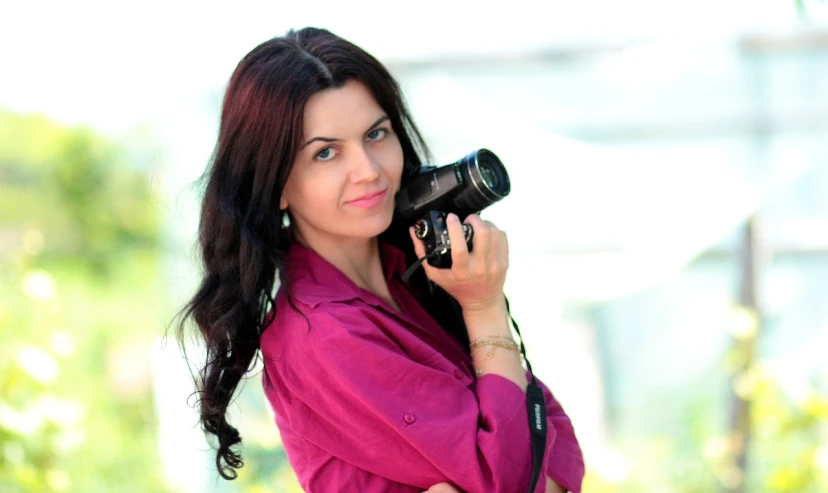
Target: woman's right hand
{"x": 476, "y": 278}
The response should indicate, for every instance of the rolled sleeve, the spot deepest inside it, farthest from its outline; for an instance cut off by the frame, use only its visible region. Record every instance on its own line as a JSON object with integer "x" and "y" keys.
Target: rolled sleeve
{"x": 369, "y": 403}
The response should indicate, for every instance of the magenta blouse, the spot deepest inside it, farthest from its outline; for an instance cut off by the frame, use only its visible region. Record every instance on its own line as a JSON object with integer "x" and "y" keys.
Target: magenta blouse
{"x": 368, "y": 399}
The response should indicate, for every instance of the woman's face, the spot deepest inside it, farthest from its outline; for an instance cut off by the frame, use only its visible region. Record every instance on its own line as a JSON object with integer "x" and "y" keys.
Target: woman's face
{"x": 348, "y": 169}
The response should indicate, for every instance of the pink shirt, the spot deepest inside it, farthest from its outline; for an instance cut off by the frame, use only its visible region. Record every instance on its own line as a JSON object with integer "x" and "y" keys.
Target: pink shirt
{"x": 369, "y": 399}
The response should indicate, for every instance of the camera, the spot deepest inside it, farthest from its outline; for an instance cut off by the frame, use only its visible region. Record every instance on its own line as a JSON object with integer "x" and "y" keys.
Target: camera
{"x": 465, "y": 187}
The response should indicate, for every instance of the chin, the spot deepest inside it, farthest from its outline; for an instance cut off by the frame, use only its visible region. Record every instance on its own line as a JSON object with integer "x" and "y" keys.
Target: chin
{"x": 374, "y": 226}
{"x": 380, "y": 227}
{"x": 366, "y": 226}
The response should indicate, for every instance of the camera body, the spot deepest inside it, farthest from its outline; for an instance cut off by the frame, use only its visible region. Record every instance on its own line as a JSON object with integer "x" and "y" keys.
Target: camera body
{"x": 464, "y": 187}
{"x": 433, "y": 231}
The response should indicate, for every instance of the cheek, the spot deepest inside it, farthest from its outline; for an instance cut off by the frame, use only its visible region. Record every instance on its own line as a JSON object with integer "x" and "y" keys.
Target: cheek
{"x": 294, "y": 194}
{"x": 397, "y": 174}
{"x": 395, "y": 159}
{"x": 317, "y": 190}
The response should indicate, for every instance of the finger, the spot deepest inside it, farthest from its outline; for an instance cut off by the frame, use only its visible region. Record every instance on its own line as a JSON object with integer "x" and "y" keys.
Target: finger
{"x": 481, "y": 241}
{"x": 504, "y": 250}
{"x": 459, "y": 249}
{"x": 493, "y": 257}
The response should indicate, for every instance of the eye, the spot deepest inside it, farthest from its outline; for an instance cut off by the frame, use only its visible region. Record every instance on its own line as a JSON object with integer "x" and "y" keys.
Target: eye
{"x": 377, "y": 134}
{"x": 325, "y": 154}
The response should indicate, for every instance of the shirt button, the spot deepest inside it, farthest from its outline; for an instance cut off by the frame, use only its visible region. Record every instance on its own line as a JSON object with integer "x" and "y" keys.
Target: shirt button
{"x": 410, "y": 418}
{"x": 458, "y": 373}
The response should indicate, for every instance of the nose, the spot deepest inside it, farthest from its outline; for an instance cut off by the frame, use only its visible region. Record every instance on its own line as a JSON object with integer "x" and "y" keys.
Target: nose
{"x": 363, "y": 167}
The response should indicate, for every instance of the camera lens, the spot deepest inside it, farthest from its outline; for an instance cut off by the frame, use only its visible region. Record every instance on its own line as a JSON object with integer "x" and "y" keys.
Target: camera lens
{"x": 485, "y": 182}
{"x": 469, "y": 185}
{"x": 489, "y": 176}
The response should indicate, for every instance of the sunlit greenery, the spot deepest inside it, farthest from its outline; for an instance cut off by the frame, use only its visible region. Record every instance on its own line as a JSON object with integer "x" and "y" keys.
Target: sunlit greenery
{"x": 787, "y": 450}
{"x": 78, "y": 310}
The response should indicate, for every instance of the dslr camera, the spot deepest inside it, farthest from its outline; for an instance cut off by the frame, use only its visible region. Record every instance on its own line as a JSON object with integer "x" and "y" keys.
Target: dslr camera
{"x": 465, "y": 187}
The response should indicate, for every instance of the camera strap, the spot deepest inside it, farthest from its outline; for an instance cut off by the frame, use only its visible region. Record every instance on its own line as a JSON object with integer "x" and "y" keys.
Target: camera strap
{"x": 535, "y": 409}
{"x": 416, "y": 265}
{"x": 535, "y": 402}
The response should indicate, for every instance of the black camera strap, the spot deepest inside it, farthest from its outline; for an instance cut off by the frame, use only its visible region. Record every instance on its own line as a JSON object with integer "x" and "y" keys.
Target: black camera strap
{"x": 535, "y": 402}
{"x": 536, "y": 410}
{"x": 416, "y": 265}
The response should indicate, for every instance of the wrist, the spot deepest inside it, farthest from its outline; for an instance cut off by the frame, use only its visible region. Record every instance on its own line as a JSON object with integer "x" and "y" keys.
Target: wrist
{"x": 489, "y": 319}
{"x": 483, "y": 309}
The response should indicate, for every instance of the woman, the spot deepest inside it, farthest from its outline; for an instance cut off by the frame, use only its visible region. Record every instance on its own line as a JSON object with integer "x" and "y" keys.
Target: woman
{"x": 372, "y": 380}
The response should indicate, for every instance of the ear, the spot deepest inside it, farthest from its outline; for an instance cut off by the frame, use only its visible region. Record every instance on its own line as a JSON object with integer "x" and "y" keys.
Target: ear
{"x": 283, "y": 204}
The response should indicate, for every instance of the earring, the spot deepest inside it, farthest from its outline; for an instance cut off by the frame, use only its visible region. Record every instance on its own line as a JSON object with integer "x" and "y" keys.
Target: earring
{"x": 285, "y": 219}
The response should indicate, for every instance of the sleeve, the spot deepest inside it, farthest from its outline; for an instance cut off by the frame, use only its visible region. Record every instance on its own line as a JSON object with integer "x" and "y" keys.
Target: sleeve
{"x": 565, "y": 463}
{"x": 368, "y": 403}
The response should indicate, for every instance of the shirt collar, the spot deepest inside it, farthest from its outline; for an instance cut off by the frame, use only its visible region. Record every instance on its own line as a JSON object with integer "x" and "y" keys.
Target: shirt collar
{"x": 314, "y": 280}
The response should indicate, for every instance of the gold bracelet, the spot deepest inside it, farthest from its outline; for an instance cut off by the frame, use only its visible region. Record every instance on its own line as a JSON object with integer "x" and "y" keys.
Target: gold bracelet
{"x": 500, "y": 341}
{"x": 491, "y": 342}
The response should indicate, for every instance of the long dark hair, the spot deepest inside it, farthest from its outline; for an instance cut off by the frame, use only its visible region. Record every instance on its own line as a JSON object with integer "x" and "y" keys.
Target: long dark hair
{"x": 242, "y": 244}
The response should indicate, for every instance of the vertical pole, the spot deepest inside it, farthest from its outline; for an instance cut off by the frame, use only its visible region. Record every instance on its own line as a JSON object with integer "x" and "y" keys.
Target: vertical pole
{"x": 744, "y": 346}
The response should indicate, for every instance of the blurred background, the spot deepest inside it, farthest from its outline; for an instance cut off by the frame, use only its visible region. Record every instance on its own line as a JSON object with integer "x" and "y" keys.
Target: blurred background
{"x": 668, "y": 225}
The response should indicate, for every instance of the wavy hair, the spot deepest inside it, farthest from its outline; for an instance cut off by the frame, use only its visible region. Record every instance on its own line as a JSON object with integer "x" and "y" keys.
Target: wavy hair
{"x": 241, "y": 242}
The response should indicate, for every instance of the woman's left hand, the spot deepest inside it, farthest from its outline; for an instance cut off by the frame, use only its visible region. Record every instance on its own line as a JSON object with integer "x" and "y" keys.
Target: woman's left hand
{"x": 551, "y": 487}
{"x": 442, "y": 488}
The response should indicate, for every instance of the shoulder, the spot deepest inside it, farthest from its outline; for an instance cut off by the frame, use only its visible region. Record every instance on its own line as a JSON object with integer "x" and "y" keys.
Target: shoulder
{"x": 320, "y": 306}
{"x": 310, "y": 323}
{"x": 305, "y": 349}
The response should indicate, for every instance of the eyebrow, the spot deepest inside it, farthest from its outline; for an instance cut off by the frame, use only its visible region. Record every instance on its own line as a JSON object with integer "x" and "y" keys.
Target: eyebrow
{"x": 377, "y": 123}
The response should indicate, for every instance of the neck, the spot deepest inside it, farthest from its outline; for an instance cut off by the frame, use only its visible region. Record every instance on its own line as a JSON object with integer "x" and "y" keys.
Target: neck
{"x": 359, "y": 259}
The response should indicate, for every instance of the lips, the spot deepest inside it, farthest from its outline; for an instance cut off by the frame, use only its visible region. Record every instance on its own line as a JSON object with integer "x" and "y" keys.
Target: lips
{"x": 368, "y": 200}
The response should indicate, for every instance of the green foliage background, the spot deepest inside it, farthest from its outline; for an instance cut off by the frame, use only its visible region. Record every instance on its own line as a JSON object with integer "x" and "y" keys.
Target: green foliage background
{"x": 79, "y": 234}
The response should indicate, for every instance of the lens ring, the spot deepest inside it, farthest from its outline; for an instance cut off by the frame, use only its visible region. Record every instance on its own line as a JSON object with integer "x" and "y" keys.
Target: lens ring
{"x": 489, "y": 176}
{"x": 489, "y": 193}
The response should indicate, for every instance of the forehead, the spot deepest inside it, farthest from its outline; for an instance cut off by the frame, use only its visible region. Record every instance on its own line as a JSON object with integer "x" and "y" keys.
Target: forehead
{"x": 339, "y": 112}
